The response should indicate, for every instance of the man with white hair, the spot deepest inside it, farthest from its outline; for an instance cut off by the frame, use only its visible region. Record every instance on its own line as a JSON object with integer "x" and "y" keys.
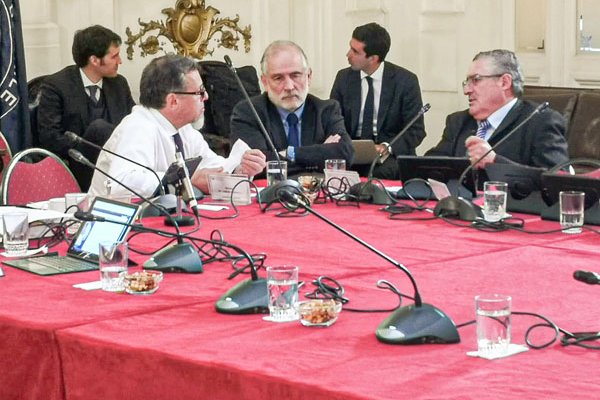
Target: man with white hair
{"x": 304, "y": 129}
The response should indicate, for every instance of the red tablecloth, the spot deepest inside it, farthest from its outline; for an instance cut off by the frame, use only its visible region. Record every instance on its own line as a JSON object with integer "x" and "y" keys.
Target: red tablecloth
{"x": 60, "y": 342}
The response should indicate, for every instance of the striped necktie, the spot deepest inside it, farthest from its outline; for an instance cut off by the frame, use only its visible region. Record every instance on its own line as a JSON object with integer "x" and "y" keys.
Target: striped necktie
{"x": 484, "y": 126}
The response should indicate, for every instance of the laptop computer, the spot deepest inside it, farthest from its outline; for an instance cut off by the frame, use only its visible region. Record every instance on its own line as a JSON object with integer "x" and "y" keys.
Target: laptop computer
{"x": 82, "y": 254}
{"x": 364, "y": 151}
{"x": 442, "y": 169}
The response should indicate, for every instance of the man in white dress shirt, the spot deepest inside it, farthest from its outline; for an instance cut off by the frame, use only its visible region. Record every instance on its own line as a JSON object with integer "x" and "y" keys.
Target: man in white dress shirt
{"x": 171, "y": 98}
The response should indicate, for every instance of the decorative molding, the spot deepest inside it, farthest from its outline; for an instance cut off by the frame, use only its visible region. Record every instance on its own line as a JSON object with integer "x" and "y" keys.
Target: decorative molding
{"x": 190, "y": 26}
{"x": 589, "y": 82}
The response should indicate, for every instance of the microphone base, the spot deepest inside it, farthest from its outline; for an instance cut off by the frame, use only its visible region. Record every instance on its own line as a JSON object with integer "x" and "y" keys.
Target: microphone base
{"x": 367, "y": 192}
{"x": 247, "y": 297}
{"x": 417, "y": 325}
{"x": 457, "y": 207}
{"x": 270, "y": 194}
{"x": 180, "y": 220}
{"x": 181, "y": 257}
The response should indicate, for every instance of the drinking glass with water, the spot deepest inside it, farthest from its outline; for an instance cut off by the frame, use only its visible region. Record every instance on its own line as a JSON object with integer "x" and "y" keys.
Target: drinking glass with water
{"x": 493, "y": 324}
{"x": 282, "y": 284}
{"x": 113, "y": 265}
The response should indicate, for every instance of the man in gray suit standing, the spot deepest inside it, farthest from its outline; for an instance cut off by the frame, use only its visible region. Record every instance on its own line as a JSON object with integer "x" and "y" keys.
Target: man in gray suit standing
{"x": 378, "y": 98}
{"x": 89, "y": 98}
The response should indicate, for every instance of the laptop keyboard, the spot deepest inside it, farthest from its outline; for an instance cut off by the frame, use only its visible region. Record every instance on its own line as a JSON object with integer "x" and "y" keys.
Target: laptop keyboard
{"x": 64, "y": 264}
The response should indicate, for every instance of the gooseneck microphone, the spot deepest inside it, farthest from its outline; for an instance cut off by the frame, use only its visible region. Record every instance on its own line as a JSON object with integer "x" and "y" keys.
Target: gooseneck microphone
{"x": 455, "y": 206}
{"x": 591, "y": 278}
{"x": 371, "y": 193}
{"x": 413, "y": 324}
{"x": 167, "y": 257}
{"x": 269, "y": 194}
{"x": 74, "y": 138}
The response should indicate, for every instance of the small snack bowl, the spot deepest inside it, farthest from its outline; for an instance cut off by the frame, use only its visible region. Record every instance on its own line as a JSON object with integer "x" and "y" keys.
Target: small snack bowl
{"x": 319, "y": 312}
{"x": 142, "y": 282}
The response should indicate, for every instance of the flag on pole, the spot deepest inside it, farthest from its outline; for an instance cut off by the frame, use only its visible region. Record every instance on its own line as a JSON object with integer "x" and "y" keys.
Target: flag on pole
{"x": 14, "y": 111}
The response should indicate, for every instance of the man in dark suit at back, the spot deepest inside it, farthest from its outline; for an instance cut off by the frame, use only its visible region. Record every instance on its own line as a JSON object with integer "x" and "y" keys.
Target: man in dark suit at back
{"x": 304, "y": 129}
{"x": 494, "y": 85}
{"x": 89, "y": 98}
{"x": 378, "y": 98}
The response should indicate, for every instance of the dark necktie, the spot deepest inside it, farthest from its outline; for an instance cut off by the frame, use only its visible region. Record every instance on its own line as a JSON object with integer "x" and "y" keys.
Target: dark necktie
{"x": 367, "y": 123}
{"x": 93, "y": 96}
{"x": 484, "y": 126}
{"x": 293, "y": 134}
{"x": 178, "y": 144}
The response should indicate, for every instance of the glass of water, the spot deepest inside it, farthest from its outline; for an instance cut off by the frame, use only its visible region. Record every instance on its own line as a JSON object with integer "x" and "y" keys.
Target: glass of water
{"x": 493, "y": 324}
{"x": 276, "y": 172}
{"x": 113, "y": 265}
{"x": 16, "y": 233}
{"x": 494, "y": 200}
{"x": 572, "y": 205}
{"x": 282, "y": 283}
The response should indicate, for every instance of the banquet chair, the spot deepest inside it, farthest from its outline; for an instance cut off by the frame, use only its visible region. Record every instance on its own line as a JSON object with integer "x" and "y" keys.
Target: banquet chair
{"x": 36, "y": 175}
{"x": 5, "y": 154}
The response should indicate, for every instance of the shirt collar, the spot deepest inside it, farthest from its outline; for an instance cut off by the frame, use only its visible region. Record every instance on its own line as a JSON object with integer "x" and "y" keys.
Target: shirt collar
{"x": 377, "y": 75}
{"x": 284, "y": 113}
{"x": 496, "y": 118}
{"x": 87, "y": 82}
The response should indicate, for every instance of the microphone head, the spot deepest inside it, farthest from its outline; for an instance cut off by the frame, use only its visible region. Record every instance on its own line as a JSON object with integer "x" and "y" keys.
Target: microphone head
{"x": 425, "y": 108}
{"x": 228, "y": 61}
{"x": 72, "y": 137}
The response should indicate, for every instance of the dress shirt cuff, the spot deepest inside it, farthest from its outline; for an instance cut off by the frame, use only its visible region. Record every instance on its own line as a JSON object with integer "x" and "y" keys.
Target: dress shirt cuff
{"x": 291, "y": 153}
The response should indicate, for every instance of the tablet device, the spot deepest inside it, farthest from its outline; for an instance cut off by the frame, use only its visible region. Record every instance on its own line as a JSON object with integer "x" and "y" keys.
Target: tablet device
{"x": 442, "y": 169}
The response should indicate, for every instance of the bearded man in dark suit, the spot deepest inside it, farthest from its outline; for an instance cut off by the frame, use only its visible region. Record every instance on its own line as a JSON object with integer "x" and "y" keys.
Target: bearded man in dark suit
{"x": 89, "y": 98}
{"x": 304, "y": 129}
{"x": 395, "y": 99}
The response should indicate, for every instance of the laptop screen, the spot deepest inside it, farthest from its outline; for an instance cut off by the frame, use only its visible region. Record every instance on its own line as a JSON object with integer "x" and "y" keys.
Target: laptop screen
{"x": 86, "y": 242}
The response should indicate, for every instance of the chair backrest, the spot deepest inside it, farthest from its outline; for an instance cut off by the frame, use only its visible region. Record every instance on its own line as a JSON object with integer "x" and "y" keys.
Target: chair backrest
{"x": 27, "y": 180}
{"x": 34, "y": 89}
{"x": 5, "y": 154}
{"x": 224, "y": 93}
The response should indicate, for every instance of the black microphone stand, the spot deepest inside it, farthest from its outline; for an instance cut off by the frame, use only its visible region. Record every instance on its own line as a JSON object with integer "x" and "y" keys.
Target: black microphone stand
{"x": 168, "y": 257}
{"x": 269, "y": 194}
{"x": 413, "y": 324}
{"x": 461, "y": 208}
{"x": 367, "y": 191}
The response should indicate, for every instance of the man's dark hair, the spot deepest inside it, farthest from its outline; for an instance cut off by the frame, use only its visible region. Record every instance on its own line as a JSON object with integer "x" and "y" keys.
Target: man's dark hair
{"x": 93, "y": 41}
{"x": 162, "y": 76}
{"x": 376, "y": 39}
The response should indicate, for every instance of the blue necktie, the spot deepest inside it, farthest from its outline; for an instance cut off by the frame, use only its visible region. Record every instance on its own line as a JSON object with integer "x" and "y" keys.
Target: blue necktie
{"x": 178, "y": 144}
{"x": 293, "y": 134}
{"x": 484, "y": 126}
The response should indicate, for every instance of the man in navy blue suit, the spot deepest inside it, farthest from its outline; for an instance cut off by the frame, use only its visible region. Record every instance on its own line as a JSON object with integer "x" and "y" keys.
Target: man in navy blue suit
{"x": 89, "y": 98}
{"x": 378, "y": 98}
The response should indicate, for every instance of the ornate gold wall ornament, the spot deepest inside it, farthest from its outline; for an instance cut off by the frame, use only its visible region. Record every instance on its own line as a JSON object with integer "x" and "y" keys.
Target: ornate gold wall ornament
{"x": 190, "y": 26}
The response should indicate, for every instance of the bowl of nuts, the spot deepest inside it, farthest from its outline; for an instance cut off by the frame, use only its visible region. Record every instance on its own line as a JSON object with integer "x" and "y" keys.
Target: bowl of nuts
{"x": 319, "y": 312}
{"x": 142, "y": 282}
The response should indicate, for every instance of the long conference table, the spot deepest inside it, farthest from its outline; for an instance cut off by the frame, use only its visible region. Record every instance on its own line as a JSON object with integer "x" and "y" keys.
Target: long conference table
{"x": 60, "y": 342}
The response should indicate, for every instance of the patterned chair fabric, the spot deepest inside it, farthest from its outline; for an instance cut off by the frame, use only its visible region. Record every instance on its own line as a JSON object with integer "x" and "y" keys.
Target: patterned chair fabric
{"x": 25, "y": 182}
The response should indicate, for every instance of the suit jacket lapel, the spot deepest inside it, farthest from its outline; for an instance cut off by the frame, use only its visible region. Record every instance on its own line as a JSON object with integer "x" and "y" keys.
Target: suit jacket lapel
{"x": 275, "y": 125}
{"x": 80, "y": 97}
{"x": 507, "y": 123}
{"x": 308, "y": 123}
{"x": 354, "y": 95}
{"x": 387, "y": 93}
